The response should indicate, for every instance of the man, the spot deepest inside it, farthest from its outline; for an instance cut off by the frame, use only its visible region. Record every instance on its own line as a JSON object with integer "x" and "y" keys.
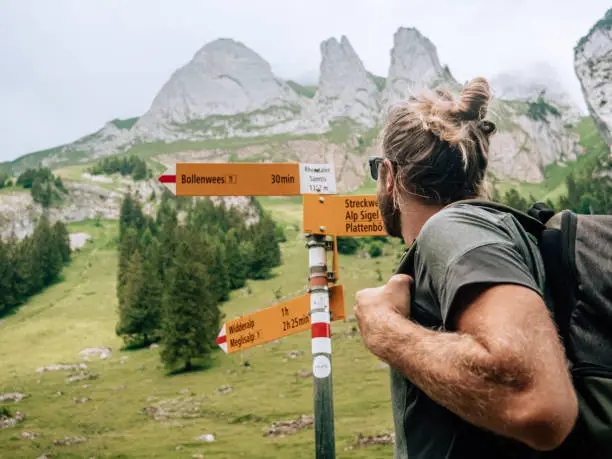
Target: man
{"x": 477, "y": 367}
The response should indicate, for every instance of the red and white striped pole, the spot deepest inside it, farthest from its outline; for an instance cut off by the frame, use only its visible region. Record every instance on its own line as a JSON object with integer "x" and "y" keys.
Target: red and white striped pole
{"x": 321, "y": 348}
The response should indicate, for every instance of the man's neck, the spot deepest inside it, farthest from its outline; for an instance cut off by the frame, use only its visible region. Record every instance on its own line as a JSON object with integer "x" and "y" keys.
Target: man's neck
{"x": 414, "y": 215}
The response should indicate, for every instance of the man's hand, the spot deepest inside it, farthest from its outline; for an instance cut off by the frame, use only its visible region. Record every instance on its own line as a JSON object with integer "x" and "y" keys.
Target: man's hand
{"x": 376, "y": 308}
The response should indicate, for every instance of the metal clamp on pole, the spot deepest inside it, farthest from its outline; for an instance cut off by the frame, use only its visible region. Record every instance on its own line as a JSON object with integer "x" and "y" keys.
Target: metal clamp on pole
{"x": 321, "y": 347}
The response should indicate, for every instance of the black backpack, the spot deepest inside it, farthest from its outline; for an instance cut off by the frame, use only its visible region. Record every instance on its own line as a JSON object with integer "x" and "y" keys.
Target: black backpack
{"x": 577, "y": 254}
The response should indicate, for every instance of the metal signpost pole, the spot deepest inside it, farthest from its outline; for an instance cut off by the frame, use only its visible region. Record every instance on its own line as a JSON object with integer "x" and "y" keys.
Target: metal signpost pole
{"x": 321, "y": 348}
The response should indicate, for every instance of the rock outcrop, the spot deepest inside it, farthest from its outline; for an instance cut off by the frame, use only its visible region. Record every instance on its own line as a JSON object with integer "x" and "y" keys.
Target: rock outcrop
{"x": 19, "y": 213}
{"x": 414, "y": 66}
{"x": 345, "y": 88}
{"x": 226, "y": 89}
{"x": 523, "y": 146}
{"x": 593, "y": 66}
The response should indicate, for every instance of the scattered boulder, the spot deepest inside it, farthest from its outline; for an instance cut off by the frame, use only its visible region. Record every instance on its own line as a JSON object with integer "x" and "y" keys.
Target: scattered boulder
{"x": 62, "y": 367}
{"x": 185, "y": 391}
{"x": 67, "y": 441}
{"x": 224, "y": 390}
{"x": 44, "y": 456}
{"x": 81, "y": 377}
{"x": 386, "y": 438}
{"x": 154, "y": 346}
{"x": 383, "y": 366}
{"x": 294, "y": 354}
{"x": 304, "y": 374}
{"x": 78, "y": 240}
{"x": 7, "y": 420}
{"x": 81, "y": 400}
{"x": 198, "y": 456}
{"x": 101, "y": 352}
{"x": 209, "y": 438}
{"x": 179, "y": 448}
{"x": 12, "y": 397}
{"x": 282, "y": 428}
{"x": 175, "y": 408}
{"x": 28, "y": 435}
{"x": 123, "y": 359}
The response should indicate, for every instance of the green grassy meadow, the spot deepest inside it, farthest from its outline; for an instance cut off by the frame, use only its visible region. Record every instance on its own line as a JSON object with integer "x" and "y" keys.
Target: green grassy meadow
{"x": 80, "y": 312}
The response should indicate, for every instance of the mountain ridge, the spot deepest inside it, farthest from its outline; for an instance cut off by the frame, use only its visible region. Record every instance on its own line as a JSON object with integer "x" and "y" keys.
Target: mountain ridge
{"x": 227, "y": 93}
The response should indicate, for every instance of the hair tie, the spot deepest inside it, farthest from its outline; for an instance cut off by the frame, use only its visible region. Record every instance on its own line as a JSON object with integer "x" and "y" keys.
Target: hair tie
{"x": 486, "y": 126}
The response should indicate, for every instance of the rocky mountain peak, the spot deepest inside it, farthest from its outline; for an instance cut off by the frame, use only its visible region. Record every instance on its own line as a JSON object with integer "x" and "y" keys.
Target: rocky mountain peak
{"x": 593, "y": 66}
{"x": 224, "y": 78}
{"x": 414, "y": 65}
{"x": 345, "y": 89}
{"x": 227, "y": 47}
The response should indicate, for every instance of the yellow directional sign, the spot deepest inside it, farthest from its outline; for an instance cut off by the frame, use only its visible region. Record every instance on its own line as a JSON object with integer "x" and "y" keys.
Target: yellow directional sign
{"x": 275, "y": 322}
{"x": 250, "y": 179}
{"x": 342, "y": 215}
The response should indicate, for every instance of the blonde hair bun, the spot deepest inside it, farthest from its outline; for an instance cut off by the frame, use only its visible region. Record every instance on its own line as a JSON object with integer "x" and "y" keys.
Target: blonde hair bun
{"x": 474, "y": 101}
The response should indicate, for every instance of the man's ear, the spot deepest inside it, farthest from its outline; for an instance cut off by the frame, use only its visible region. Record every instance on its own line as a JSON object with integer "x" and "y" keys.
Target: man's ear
{"x": 389, "y": 176}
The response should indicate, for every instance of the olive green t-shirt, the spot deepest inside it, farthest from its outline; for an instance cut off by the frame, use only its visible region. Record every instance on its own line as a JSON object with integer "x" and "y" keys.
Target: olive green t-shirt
{"x": 459, "y": 246}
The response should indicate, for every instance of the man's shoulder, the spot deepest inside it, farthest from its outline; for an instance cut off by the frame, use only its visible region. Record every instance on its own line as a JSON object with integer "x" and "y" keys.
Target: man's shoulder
{"x": 464, "y": 225}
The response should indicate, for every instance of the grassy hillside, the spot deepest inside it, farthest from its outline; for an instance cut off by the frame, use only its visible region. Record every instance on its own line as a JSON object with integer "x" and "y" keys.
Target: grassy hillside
{"x": 80, "y": 312}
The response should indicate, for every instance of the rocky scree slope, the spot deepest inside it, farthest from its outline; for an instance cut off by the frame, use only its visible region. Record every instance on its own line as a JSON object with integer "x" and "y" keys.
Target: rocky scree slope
{"x": 88, "y": 200}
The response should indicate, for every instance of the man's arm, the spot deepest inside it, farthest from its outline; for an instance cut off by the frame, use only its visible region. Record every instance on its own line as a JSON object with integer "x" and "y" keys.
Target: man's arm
{"x": 503, "y": 370}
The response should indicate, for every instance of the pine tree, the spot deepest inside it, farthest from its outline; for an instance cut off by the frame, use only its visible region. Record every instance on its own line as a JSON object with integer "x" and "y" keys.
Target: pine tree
{"x": 267, "y": 249}
{"x": 217, "y": 268}
{"x": 513, "y": 199}
{"x": 237, "y": 264}
{"x": 49, "y": 252}
{"x": 167, "y": 222}
{"x": 128, "y": 245}
{"x": 131, "y": 216}
{"x": 7, "y": 277}
{"x": 29, "y": 268}
{"x": 191, "y": 316}
{"x": 62, "y": 240}
{"x": 139, "y": 171}
{"x": 129, "y": 310}
{"x": 152, "y": 288}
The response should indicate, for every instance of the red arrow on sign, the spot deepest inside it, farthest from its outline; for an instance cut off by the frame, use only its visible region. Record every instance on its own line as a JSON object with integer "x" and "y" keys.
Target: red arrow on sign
{"x": 167, "y": 178}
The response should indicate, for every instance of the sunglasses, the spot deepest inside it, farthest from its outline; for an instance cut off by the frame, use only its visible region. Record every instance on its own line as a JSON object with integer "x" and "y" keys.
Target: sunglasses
{"x": 374, "y": 162}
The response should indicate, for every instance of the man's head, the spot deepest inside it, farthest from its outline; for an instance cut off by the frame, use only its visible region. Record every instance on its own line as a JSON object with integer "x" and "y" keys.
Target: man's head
{"x": 435, "y": 151}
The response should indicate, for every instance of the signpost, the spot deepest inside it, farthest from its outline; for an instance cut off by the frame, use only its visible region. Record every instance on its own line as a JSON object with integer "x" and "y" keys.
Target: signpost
{"x": 323, "y": 215}
{"x": 275, "y": 322}
{"x": 250, "y": 179}
{"x": 342, "y": 215}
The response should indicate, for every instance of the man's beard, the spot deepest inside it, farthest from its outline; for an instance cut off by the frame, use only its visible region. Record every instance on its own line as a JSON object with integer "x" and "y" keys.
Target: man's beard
{"x": 391, "y": 216}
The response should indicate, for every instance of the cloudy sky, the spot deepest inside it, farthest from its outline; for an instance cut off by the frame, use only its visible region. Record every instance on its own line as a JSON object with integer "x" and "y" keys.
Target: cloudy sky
{"x": 68, "y": 66}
